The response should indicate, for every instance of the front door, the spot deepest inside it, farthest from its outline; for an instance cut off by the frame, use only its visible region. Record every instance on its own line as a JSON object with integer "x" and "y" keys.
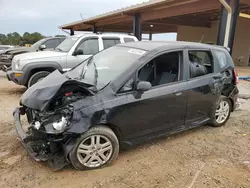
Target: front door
{"x": 160, "y": 109}
{"x": 89, "y": 46}
{"x": 204, "y": 87}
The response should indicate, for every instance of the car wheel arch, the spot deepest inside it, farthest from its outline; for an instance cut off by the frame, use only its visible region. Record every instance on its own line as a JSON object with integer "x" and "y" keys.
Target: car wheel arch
{"x": 113, "y": 127}
{"x": 71, "y": 143}
{"x": 35, "y": 67}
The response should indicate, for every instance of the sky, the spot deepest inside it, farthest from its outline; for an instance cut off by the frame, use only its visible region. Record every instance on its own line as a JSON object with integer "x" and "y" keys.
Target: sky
{"x": 45, "y": 16}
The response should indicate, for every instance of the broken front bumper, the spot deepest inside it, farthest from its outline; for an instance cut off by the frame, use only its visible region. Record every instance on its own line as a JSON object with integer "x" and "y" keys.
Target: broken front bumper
{"x": 25, "y": 137}
{"x": 42, "y": 146}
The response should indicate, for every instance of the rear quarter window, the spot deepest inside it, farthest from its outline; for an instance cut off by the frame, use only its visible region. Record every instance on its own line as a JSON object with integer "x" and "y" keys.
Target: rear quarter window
{"x": 221, "y": 58}
{"x": 201, "y": 63}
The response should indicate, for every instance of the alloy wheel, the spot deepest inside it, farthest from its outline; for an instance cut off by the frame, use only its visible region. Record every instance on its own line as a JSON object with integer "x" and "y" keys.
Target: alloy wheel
{"x": 94, "y": 151}
{"x": 222, "y": 112}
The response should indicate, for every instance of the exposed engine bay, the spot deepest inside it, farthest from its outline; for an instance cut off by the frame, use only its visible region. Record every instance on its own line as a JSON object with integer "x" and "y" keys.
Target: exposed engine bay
{"x": 48, "y": 128}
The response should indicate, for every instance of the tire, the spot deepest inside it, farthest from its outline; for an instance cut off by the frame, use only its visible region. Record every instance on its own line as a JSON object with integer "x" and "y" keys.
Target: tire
{"x": 215, "y": 119}
{"x": 36, "y": 77}
{"x": 84, "y": 155}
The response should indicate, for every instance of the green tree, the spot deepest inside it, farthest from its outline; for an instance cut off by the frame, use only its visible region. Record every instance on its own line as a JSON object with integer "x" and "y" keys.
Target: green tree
{"x": 16, "y": 39}
{"x": 34, "y": 37}
{"x": 3, "y": 39}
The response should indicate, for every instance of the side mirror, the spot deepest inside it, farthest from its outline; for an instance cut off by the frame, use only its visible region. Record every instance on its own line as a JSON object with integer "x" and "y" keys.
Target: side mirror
{"x": 42, "y": 47}
{"x": 143, "y": 86}
{"x": 78, "y": 52}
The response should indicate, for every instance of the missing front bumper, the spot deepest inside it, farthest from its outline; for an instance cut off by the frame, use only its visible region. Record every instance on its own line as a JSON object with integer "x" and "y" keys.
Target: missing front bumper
{"x": 24, "y": 137}
{"x": 56, "y": 158}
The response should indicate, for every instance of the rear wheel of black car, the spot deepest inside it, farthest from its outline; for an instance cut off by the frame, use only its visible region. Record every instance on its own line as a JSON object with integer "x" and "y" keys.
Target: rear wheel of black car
{"x": 222, "y": 112}
{"x": 96, "y": 148}
{"x": 37, "y": 77}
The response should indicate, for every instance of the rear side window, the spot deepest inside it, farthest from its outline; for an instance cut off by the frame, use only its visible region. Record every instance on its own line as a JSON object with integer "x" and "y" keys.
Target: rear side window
{"x": 201, "y": 63}
{"x": 221, "y": 57}
{"x": 108, "y": 42}
{"x": 129, "y": 40}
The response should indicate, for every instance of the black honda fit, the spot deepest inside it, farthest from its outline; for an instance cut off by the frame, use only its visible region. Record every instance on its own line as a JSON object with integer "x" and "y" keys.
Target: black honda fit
{"x": 125, "y": 95}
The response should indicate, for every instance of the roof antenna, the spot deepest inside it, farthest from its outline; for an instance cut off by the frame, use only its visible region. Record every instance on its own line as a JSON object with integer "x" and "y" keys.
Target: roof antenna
{"x": 65, "y": 31}
{"x": 81, "y": 16}
{"x": 202, "y": 38}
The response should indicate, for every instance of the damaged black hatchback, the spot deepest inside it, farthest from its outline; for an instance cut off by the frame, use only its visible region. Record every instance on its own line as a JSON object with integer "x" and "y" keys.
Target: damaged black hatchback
{"x": 125, "y": 95}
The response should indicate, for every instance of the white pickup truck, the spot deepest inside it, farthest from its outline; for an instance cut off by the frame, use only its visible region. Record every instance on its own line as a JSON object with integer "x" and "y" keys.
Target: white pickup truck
{"x": 29, "y": 68}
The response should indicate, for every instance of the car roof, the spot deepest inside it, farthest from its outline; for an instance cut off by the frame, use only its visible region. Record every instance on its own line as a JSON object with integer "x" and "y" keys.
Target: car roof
{"x": 55, "y": 37}
{"x": 151, "y": 45}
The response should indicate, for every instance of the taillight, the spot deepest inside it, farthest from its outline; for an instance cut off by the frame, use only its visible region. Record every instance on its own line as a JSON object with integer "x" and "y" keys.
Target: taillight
{"x": 236, "y": 78}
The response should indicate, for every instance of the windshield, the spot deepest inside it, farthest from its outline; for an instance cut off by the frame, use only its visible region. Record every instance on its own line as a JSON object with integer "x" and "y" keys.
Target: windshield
{"x": 67, "y": 44}
{"x": 106, "y": 66}
{"x": 37, "y": 44}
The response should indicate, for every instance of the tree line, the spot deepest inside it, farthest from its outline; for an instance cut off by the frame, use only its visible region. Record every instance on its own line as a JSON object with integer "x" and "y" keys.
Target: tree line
{"x": 17, "y": 39}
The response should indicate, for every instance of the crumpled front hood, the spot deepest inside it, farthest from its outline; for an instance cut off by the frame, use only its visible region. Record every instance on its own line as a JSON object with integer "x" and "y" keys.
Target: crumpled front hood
{"x": 18, "y": 50}
{"x": 40, "y": 94}
{"x": 38, "y": 55}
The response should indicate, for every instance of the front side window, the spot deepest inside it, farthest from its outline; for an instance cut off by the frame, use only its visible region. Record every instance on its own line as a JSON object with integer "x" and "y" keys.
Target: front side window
{"x": 163, "y": 69}
{"x": 129, "y": 85}
{"x": 37, "y": 44}
{"x": 89, "y": 46}
{"x": 201, "y": 63}
{"x": 52, "y": 43}
{"x": 108, "y": 42}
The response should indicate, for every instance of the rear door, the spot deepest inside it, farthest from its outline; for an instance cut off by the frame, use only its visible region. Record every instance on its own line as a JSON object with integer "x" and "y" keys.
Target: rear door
{"x": 204, "y": 86}
{"x": 89, "y": 46}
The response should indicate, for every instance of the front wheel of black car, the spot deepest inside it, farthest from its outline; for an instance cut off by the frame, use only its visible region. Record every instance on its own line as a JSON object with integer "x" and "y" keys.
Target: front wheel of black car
{"x": 96, "y": 148}
{"x": 37, "y": 77}
{"x": 222, "y": 112}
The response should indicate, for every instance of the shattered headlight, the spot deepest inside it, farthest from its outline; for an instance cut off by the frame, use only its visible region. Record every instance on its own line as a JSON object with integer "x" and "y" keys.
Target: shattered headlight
{"x": 54, "y": 122}
{"x": 60, "y": 125}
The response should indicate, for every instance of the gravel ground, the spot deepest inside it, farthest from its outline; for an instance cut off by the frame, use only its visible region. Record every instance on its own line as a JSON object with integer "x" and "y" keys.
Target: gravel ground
{"x": 205, "y": 157}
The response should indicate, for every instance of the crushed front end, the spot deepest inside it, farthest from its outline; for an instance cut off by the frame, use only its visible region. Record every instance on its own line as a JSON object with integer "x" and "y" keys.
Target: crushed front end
{"x": 47, "y": 136}
{"x": 49, "y": 109}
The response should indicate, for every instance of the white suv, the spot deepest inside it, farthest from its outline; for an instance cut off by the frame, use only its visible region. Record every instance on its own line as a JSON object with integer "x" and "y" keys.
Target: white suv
{"x": 27, "y": 69}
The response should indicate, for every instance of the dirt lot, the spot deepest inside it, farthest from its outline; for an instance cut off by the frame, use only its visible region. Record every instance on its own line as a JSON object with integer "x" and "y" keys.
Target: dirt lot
{"x": 203, "y": 157}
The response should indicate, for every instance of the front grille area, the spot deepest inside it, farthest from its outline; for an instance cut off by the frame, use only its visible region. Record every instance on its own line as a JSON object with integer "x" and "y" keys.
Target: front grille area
{"x": 5, "y": 60}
